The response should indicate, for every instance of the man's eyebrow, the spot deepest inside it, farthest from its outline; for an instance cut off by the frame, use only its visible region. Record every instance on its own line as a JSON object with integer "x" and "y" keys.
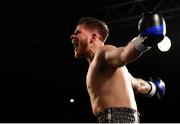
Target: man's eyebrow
{"x": 76, "y": 32}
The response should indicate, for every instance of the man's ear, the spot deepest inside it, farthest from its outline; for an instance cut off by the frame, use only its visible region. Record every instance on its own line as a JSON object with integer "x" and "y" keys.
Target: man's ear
{"x": 93, "y": 37}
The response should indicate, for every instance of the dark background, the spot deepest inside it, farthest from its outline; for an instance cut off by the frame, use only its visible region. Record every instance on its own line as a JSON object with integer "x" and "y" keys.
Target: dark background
{"x": 39, "y": 74}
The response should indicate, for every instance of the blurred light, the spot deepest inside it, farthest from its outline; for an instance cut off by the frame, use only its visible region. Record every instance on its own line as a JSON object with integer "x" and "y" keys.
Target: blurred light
{"x": 71, "y": 100}
{"x": 165, "y": 44}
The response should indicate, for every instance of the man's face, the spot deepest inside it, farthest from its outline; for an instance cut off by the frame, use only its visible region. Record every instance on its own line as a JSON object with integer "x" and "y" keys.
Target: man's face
{"x": 80, "y": 39}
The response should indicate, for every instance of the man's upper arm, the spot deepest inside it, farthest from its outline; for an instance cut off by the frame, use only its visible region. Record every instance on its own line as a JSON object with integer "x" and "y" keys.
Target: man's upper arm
{"x": 113, "y": 56}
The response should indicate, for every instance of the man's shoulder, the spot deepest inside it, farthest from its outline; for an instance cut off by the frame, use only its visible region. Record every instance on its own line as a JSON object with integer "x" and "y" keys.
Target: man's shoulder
{"x": 105, "y": 48}
{"x": 101, "y": 51}
{"x": 109, "y": 46}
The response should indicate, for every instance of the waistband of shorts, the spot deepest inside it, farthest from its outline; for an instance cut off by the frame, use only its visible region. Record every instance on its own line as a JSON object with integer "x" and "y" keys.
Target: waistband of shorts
{"x": 115, "y": 109}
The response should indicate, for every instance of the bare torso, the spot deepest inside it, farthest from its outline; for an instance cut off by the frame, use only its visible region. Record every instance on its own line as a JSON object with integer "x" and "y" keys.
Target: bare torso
{"x": 109, "y": 87}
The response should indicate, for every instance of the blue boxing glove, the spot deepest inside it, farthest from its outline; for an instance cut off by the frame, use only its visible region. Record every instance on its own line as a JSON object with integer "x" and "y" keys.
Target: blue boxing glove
{"x": 157, "y": 87}
{"x": 152, "y": 28}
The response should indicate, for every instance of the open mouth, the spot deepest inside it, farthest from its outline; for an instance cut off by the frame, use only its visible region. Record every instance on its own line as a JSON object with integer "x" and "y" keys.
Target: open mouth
{"x": 75, "y": 43}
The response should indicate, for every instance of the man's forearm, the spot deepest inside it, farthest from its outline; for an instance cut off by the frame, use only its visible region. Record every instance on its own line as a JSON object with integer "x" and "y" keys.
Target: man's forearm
{"x": 141, "y": 86}
{"x": 131, "y": 52}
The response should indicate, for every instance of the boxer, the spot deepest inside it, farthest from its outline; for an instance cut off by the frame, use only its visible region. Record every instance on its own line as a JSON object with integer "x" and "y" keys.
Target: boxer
{"x": 110, "y": 86}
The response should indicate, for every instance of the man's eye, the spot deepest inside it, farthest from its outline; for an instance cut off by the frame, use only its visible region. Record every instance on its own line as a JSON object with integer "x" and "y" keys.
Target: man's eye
{"x": 76, "y": 33}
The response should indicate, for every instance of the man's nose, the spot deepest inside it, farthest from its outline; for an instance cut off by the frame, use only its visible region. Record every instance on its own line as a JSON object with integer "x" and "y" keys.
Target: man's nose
{"x": 72, "y": 36}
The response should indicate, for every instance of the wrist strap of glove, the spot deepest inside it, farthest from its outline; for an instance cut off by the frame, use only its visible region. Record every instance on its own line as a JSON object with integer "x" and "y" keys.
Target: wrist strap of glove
{"x": 137, "y": 42}
{"x": 153, "y": 89}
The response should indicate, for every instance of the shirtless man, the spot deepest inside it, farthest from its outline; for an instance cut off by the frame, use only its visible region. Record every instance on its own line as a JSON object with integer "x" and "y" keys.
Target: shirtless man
{"x": 110, "y": 86}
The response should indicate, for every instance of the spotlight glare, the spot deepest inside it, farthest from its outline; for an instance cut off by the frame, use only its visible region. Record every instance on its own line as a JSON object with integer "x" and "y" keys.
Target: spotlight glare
{"x": 71, "y": 100}
{"x": 165, "y": 44}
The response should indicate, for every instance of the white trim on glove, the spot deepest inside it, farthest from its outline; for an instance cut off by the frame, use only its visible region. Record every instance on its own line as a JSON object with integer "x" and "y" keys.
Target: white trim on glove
{"x": 153, "y": 89}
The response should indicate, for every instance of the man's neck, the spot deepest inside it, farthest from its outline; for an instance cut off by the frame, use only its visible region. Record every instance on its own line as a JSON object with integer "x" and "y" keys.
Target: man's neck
{"x": 89, "y": 57}
{"x": 92, "y": 52}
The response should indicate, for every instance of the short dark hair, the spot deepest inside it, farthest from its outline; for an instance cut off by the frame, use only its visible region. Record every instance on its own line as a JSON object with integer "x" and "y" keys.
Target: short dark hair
{"x": 93, "y": 23}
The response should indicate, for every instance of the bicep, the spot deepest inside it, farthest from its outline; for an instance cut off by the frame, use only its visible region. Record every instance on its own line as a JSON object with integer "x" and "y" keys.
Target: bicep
{"x": 114, "y": 57}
